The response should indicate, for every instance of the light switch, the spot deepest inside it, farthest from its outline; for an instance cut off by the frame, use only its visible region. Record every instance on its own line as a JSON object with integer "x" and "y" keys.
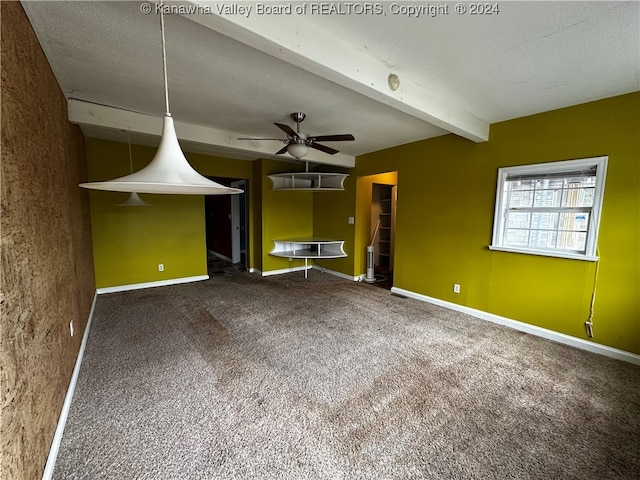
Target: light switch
{"x": 351, "y": 220}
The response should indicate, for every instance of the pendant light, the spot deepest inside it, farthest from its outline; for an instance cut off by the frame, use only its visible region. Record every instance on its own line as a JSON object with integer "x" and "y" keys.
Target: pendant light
{"x": 134, "y": 199}
{"x": 169, "y": 171}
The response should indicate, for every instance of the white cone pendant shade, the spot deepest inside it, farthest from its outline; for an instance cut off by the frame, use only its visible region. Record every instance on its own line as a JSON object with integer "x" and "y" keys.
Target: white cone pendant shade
{"x": 168, "y": 172}
{"x": 134, "y": 200}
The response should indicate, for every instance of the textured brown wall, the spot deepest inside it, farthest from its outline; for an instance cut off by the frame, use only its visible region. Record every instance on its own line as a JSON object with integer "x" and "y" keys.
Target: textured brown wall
{"x": 47, "y": 268}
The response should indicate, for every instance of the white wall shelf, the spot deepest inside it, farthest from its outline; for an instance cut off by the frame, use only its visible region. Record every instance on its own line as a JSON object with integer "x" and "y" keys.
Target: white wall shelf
{"x": 306, "y": 248}
{"x": 308, "y": 181}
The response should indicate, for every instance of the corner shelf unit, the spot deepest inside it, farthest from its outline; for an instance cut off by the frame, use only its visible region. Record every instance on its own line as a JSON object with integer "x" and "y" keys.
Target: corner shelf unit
{"x": 309, "y": 181}
{"x": 311, "y": 247}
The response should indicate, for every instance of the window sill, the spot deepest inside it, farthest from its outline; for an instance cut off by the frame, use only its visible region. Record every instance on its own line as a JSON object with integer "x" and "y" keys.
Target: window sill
{"x": 544, "y": 253}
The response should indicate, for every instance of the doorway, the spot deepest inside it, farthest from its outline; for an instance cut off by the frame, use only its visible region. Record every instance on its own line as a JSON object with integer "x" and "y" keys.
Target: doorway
{"x": 376, "y": 206}
{"x": 226, "y": 229}
{"x": 239, "y": 224}
{"x": 383, "y": 222}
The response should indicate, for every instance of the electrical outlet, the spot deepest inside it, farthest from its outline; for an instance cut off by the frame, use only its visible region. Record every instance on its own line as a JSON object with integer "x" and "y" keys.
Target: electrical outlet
{"x": 456, "y": 288}
{"x": 161, "y": 267}
{"x": 589, "y": 328}
{"x": 351, "y": 220}
{"x": 71, "y": 327}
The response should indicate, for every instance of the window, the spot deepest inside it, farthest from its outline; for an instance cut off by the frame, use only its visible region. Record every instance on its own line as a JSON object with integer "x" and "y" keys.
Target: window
{"x": 550, "y": 209}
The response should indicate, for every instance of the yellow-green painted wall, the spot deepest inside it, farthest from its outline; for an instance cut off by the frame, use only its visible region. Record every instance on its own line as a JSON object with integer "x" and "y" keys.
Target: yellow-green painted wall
{"x": 285, "y": 215}
{"x": 446, "y": 196}
{"x": 331, "y": 212}
{"x": 255, "y": 202}
{"x": 130, "y": 242}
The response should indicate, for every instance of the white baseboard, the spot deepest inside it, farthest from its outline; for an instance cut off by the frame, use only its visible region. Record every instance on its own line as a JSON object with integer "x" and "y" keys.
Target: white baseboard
{"x": 160, "y": 283}
{"x": 337, "y": 274}
{"x": 62, "y": 420}
{"x": 255, "y": 270}
{"x": 528, "y": 328}
{"x": 285, "y": 270}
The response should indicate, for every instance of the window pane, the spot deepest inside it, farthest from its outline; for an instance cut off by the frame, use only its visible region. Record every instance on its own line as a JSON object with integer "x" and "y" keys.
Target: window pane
{"x": 547, "y": 230}
{"x": 547, "y": 198}
{"x": 518, "y": 219}
{"x": 519, "y": 198}
{"x": 543, "y": 238}
{"x": 545, "y": 221}
{"x": 521, "y": 184}
{"x": 574, "y": 221}
{"x": 577, "y": 196}
{"x": 549, "y": 183}
{"x": 572, "y": 240}
{"x": 516, "y": 238}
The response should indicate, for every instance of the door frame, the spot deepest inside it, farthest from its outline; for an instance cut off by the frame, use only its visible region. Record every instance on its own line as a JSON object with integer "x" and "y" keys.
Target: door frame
{"x": 236, "y": 253}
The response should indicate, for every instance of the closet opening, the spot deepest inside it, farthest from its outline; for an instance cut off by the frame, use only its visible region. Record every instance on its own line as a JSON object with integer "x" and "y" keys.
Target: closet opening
{"x": 383, "y": 223}
{"x": 375, "y": 232}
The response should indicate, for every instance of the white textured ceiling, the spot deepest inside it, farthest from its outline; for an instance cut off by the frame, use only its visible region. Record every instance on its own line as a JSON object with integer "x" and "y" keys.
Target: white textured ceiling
{"x": 530, "y": 57}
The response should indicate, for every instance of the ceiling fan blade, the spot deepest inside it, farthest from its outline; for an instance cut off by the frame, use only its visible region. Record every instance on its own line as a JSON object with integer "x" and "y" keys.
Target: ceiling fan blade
{"x": 324, "y": 148}
{"x": 287, "y": 129}
{"x": 333, "y": 138}
{"x": 253, "y": 138}
{"x": 282, "y": 150}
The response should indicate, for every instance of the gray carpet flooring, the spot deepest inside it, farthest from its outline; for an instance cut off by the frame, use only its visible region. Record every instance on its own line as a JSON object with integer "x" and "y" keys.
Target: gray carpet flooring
{"x": 244, "y": 377}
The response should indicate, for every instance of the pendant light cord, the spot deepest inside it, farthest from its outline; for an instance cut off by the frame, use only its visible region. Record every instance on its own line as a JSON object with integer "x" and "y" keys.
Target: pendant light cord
{"x": 593, "y": 295}
{"x": 164, "y": 62}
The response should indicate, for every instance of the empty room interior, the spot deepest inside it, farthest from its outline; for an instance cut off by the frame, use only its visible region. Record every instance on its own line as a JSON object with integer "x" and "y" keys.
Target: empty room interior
{"x": 348, "y": 240}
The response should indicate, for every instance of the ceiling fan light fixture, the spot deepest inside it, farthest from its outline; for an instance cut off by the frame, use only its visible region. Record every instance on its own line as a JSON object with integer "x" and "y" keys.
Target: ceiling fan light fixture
{"x": 297, "y": 150}
{"x": 298, "y": 143}
{"x": 169, "y": 171}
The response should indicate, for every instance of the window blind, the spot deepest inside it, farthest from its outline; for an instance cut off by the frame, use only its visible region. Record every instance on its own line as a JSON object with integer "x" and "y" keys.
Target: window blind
{"x": 585, "y": 173}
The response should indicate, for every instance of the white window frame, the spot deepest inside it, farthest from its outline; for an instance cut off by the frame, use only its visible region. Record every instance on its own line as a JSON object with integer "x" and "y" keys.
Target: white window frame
{"x": 600, "y": 163}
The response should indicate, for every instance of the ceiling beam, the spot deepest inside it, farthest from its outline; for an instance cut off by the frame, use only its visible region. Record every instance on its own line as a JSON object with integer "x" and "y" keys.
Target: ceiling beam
{"x": 202, "y": 139}
{"x": 297, "y": 40}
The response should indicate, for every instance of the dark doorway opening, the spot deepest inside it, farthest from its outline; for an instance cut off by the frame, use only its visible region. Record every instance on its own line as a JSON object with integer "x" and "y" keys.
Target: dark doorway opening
{"x": 226, "y": 229}
{"x": 383, "y": 220}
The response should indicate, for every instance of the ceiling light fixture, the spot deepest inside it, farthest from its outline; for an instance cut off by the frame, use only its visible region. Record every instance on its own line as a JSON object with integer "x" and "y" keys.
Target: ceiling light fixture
{"x": 169, "y": 171}
{"x": 393, "y": 81}
{"x": 298, "y": 143}
{"x": 134, "y": 199}
{"x": 297, "y": 150}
